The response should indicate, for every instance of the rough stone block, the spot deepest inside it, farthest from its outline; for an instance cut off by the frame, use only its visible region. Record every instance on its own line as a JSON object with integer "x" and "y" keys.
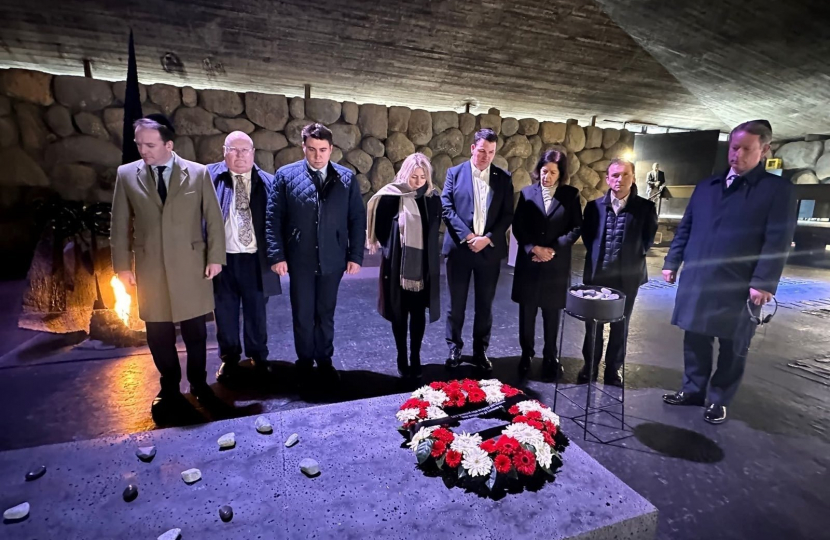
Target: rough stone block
{"x": 444, "y": 120}
{"x": 324, "y": 111}
{"x": 420, "y": 127}
{"x": 221, "y": 102}
{"x": 166, "y": 96}
{"x": 30, "y": 86}
{"x": 267, "y": 110}
{"x": 373, "y": 121}
{"x": 399, "y": 118}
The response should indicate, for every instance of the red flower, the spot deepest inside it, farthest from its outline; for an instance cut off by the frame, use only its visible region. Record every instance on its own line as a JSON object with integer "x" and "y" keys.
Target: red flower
{"x": 502, "y": 464}
{"x": 525, "y": 462}
{"x": 409, "y": 424}
{"x": 520, "y": 419}
{"x": 551, "y": 427}
{"x": 476, "y": 395}
{"x": 469, "y": 383}
{"x": 438, "y": 448}
{"x": 509, "y": 391}
{"x": 438, "y": 385}
{"x": 488, "y": 446}
{"x": 534, "y": 415}
{"x": 460, "y": 401}
{"x": 514, "y": 410}
{"x": 534, "y": 423}
{"x": 444, "y": 435}
{"x": 414, "y": 403}
{"x": 548, "y": 438}
{"x": 453, "y": 458}
{"x": 507, "y": 445}
{"x": 422, "y": 413}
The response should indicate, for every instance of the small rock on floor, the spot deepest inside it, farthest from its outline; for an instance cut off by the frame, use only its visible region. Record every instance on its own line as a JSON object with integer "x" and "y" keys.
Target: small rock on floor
{"x": 263, "y": 425}
{"x": 310, "y": 467}
{"x": 226, "y": 513}
{"x": 292, "y": 440}
{"x": 146, "y": 453}
{"x": 227, "y": 441}
{"x": 17, "y": 512}
{"x": 130, "y": 493}
{"x": 191, "y": 475}
{"x": 172, "y": 534}
{"x": 36, "y": 473}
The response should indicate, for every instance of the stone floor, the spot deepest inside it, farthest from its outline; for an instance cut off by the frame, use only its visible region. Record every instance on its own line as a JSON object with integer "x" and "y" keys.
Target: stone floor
{"x": 761, "y": 475}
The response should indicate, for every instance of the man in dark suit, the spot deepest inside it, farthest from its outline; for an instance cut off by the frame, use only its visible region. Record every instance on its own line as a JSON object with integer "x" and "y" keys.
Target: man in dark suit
{"x": 478, "y": 209}
{"x": 316, "y": 230}
{"x": 733, "y": 243}
{"x": 655, "y": 180}
{"x": 618, "y": 231}
{"x": 243, "y": 190}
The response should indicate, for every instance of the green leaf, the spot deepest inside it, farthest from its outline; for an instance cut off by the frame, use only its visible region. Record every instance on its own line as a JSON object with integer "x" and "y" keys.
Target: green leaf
{"x": 423, "y": 451}
{"x": 491, "y": 481}
{"x": 548, "y": 471}
{"x": 440, "y": 461}
{"x": 462, "y": 472}
{"x": 529, "y": 448}
{"x": 514, "y": 474}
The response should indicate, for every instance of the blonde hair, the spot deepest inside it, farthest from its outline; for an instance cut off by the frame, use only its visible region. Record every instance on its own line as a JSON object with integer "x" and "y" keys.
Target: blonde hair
{"x": 415, "y": 161}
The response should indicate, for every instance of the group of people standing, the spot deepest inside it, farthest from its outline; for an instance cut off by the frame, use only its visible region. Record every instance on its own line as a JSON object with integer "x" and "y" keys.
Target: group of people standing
{"x": 242, "y": 228}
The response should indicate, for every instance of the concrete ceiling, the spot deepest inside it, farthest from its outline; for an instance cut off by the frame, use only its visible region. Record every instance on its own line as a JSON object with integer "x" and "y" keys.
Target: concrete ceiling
{"x": 547, "y": 59}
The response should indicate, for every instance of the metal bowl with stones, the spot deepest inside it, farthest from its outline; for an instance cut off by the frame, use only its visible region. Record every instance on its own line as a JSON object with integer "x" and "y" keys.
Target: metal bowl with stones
{"x": 593, "y": 302}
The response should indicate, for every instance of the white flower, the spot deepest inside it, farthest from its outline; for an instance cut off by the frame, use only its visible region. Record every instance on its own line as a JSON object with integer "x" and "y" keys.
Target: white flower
{"x": 525, "y": 434}
{"x": 422, "y": 434}
{"x": 407, "y": 415}
{"x": 435, "y": 412}
{"x": 466, "y": 443}
{"x": 547, "y": 414}
{"x": 477, "y": 462}
{"x": 544, "y": 456}
{"x": 490, "y": 382}
{"x": 493, "y": 394}
{"x": 430, "y": 395}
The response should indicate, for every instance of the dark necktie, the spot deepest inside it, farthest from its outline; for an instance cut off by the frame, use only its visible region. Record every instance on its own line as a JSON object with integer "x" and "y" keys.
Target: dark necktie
{"x": 160, "y": 183}
{"x": 732, "y": 179}
{"x": 318, "y": 178}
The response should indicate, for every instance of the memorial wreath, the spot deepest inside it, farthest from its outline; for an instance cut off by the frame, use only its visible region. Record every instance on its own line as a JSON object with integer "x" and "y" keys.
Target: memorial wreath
{"x": 530, "y": 444}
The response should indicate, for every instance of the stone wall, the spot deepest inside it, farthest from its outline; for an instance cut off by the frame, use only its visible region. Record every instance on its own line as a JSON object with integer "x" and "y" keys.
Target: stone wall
{"x": 63, "y": 133}
{"x": 809, "y": 159}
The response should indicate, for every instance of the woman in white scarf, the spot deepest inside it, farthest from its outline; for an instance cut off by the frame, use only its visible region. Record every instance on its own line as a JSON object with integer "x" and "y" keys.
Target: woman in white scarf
{"x": 403, "y": 220}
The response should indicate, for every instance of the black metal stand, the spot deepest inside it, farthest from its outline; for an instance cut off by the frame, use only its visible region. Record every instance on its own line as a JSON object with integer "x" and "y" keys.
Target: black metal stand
{"x": 589, "y": 409}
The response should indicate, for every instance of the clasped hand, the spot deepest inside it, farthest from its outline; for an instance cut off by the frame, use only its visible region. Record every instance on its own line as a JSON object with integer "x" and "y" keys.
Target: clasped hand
{"x": 542, "y": 254}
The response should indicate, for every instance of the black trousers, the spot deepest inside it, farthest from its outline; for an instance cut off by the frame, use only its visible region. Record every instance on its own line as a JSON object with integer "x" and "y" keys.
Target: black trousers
{"x": 313, "y": 301}
{"x": 527, "y": 329}
{"x": 462, "y": 265}
{"x": 413, "y": 311}
{"x": 239, "y": 284}
{"x": 698, "y": 356}
{"x": 617, "y": 336}
{"x": 161, "y": 337}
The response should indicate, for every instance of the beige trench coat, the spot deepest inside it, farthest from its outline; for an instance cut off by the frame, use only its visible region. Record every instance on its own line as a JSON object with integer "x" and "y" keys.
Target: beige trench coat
{"x": 171, "y": 251}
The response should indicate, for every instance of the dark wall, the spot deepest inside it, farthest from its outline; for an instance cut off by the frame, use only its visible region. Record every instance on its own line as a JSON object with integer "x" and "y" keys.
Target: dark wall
{"x": 686, "y": 158}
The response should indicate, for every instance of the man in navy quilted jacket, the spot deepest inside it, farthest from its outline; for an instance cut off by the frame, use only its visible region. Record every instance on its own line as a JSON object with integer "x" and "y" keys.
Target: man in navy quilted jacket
{"x": 315, "y": 230}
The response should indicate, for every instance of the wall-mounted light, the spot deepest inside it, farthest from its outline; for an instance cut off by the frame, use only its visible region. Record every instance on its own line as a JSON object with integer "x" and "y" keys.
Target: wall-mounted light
{"x": 628, "y": 156}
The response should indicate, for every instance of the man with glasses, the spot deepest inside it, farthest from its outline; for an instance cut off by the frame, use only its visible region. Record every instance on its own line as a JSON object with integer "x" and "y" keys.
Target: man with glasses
{"x": 243, "y": 190}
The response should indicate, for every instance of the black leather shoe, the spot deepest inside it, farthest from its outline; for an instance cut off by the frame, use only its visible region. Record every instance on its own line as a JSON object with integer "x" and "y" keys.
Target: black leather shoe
{"x": 684, "y": 399}
{"x": 524, "y": 363}
{"x": 715, "y": 414}
{"x": 168, "y": 401}
{"x": 415, "y": 371}
{"x": 551, "y": 369}
{"x": 481, "y": 361}
{"x": 329, "y": 375}
{"x": 403, "y": 366}
{"x": 454, "y": 359}
{"x": 228, "y": 372}
{"x": 582, "y": 376}
{"x": 612, "y": 378}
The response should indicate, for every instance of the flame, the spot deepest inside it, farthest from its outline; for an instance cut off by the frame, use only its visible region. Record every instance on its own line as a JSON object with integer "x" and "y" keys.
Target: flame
{"x": 122, "y": 300}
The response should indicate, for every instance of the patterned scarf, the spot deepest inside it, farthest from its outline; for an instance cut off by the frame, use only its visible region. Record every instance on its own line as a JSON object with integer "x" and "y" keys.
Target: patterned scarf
{"x": 411, "y": 231}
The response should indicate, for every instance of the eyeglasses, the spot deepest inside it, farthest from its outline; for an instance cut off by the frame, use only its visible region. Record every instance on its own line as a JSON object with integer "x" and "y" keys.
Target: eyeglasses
{"x": 238, "y": 151}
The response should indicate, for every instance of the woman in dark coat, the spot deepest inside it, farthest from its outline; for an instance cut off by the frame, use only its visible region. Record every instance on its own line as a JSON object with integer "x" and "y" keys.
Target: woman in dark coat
{"x": 546, "y": 224}
{"x": 403, "y": 220}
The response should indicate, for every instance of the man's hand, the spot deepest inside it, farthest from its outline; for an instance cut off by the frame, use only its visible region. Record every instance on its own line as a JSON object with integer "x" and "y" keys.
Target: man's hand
{"x": 470, "y": 237}
{"x": 759, "y": 297}
{"x": 478, "y": 243}
{"x": 670, "y": 276}
{"x": 212, "y": 270}
{"x": 373, "y": 248}
{"x": 281, "y": 268}
{"x": 127, "y": 278}
{"x": 352, "y": 268}
{"x": 543, "y": 254}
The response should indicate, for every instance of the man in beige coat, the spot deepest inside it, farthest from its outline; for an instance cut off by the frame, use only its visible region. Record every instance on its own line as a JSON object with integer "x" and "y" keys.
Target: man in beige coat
{"x": 165, "y": 211}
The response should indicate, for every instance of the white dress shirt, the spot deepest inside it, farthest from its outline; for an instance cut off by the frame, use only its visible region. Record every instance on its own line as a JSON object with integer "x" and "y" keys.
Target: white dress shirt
{"x": 481, "y": 194}
{"x": 731, "y": 177}
{"x": 619, "y": 204}
{"x": 233, "y": 244}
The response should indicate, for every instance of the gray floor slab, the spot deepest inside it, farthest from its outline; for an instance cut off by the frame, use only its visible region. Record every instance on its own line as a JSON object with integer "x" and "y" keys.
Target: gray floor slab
{"x": 369, "y": 487}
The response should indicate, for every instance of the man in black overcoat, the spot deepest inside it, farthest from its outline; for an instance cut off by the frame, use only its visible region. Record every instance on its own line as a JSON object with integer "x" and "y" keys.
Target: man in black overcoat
{"x": 733, "y": 243}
